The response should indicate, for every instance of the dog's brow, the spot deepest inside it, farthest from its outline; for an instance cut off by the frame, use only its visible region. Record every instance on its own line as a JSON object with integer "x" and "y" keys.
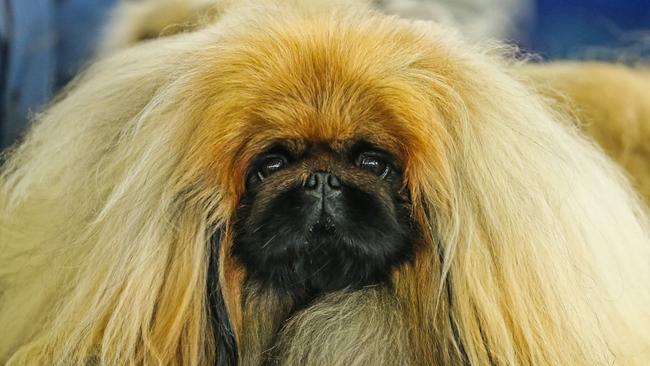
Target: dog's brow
{"x": 294, "y": 147}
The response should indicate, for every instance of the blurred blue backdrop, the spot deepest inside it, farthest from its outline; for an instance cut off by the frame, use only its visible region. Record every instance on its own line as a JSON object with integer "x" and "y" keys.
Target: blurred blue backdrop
{"x": 43, "y": 43}
{"x": 580, "y": 29}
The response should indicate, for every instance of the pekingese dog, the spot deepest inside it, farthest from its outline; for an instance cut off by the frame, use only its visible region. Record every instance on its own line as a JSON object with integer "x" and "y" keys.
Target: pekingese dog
{"x": 315, "y": 183}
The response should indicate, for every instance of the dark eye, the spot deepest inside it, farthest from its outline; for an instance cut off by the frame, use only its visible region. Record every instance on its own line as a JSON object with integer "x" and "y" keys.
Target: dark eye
{"x": 271, "y": 164}
{"x": 374, "y": 164}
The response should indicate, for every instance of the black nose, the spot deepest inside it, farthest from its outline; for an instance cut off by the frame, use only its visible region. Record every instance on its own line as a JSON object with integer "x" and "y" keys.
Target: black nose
{"x": 323, "y": 183}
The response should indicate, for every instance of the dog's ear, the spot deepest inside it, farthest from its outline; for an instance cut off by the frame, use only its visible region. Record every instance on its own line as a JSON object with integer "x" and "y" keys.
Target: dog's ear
{"x": 222, "y": 332}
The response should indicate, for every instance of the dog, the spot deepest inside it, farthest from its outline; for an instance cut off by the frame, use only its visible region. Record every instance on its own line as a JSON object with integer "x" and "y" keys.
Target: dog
{"x": 318, "y": 183}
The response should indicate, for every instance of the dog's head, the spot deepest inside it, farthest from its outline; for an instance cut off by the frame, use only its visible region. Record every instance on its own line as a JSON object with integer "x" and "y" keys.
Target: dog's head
{"x": 325, "y": 136}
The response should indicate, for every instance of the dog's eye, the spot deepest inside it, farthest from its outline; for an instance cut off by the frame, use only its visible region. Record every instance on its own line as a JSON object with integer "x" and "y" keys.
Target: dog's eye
{"x": 374, "y": 164}
{"x": 271, "y": 164}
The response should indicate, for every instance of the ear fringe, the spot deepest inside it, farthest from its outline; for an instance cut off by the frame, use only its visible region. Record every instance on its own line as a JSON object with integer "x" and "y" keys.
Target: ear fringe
{"x": 547, "y": 246}
{"x": 115, "y": 229}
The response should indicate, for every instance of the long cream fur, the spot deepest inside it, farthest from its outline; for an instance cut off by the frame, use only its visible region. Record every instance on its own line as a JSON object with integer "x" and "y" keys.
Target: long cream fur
{"x": 535, "y": 248}
{"x": 610, "y": 103}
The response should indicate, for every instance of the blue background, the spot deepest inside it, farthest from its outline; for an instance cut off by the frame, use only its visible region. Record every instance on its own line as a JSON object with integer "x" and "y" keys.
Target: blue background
{"x": 43, "y": 43}
{"x": 578, "y": 29}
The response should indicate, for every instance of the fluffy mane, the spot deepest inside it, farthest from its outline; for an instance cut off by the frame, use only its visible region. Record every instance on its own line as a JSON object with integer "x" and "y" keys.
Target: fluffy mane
{"x": 535, "y": 248}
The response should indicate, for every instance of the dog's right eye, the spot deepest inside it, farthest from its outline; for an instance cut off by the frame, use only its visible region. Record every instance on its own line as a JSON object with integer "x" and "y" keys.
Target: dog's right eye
{"x": 271, "y": 164}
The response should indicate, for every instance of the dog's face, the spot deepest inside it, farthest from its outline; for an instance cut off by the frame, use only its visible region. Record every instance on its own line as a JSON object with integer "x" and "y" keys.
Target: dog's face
{"x": 318, "y": 217}
{"x": 323, "y": 142}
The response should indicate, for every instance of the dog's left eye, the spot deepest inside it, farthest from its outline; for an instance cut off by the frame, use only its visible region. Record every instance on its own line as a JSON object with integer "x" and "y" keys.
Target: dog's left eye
{"x": 374, "y": 164}
{"x": 271, "y": 164}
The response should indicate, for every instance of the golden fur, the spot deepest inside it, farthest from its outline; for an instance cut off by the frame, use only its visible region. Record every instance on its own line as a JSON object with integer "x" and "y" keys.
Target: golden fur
{"x": 535, "y": 248}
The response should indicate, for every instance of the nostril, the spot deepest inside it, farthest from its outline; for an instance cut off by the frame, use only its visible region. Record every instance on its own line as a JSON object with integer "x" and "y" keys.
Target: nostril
{"x": 322, "y": 181}
{"x": 333, "y": 181}
{"x": 312, "y": 181}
